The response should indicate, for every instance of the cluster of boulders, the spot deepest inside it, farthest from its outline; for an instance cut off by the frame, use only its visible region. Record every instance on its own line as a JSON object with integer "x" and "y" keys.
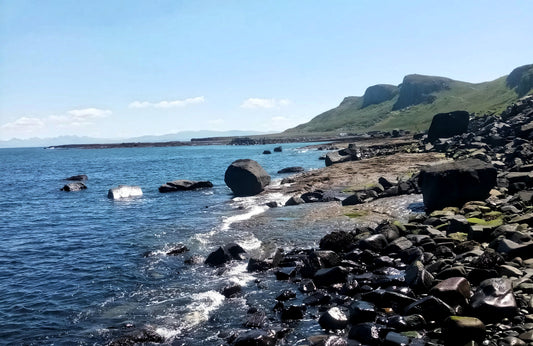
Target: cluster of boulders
{"x": 460, "y": 274}
{"x": 355, "y": 153}
{"x": 455, "y": 276}
{"x": 77, "y": 185}
{"x": 276, "y": 150}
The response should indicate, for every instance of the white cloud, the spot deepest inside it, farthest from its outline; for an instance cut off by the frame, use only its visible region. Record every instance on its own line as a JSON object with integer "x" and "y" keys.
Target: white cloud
{"x": 254, "y": 103}
{"x": 167, "y": 104}
{"x": 24, "y": 124}
{"x": 89, "y": 113}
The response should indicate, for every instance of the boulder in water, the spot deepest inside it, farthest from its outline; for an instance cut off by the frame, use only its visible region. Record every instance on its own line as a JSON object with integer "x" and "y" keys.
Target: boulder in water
{"x": 246, "y": 177}
{"x": 74, "y": 187}
{"x": 124, "y": 191}
{"x": 79, "y": 177}
{"x": 184, "y": 185}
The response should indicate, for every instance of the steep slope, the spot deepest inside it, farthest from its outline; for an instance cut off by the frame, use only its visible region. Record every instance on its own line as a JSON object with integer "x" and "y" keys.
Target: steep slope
{"x": 412, "y": 104}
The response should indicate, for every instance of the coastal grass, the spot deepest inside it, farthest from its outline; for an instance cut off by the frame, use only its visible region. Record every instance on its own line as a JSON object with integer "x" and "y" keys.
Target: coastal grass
{"x": 350, "y": 117}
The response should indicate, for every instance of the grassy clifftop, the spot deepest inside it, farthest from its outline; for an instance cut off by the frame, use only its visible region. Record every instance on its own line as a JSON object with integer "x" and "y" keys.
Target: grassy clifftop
{"x": 412, "y": 104}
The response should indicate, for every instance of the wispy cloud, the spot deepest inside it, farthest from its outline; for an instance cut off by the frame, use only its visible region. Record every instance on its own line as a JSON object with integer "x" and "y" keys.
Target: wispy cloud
{"x": 79, "y": 117}
{"x": 167, "y": 104}
{"x": 89, "y": 113}
{"x": 25, "y": 124}
{"x": 254, "y": 103}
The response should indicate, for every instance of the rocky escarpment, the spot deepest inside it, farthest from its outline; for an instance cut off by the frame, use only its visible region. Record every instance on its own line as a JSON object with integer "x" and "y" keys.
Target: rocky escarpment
{"x": 521, "y": 79}
{"x": 379, "y": 93}
{"x": 416, "y": 89}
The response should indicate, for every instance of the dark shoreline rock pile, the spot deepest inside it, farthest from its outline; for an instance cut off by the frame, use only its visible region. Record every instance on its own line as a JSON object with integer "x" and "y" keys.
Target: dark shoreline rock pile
{"x": 461, "y": 274}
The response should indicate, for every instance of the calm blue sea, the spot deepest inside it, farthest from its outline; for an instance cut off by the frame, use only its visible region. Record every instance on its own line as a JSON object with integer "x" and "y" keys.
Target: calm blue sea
{"x": 78, "y": 268}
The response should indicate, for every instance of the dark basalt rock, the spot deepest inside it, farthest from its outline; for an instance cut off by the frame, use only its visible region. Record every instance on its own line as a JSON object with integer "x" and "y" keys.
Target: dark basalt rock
{"x": 256, "y": 338}
{"x": 293, "y": 312}
{"x": 294, "y": 200}
{"x": 445, "y": 125}
{"x": 267, "y": 152}
{"x": 184, "y": 185}
{"x": 278, "y": 149}
{"x": 459, "y": 330}
{"x": 362, "y": 311}
{"x": 367, "y": 333}
{"x": 74, "y": 187}
{"x": 455, "y": 183}
{"x": 329, "y": 276}
{"x": 177, "y": 250}
{"x": 295, "y": 169}
{"x": 333, "y": 319}
{"x": 231, "y": 291}
{"x": 431, "y": 308}
{"x": 225, "y": 254}
{"x": 137, "y": 337}
{"x": 494, "y": 300}
{"x": 340, "y": 241}
{"x": 246, "y": 177}
{"x": 454, "y": 290}
{"x": 80, "y": 177}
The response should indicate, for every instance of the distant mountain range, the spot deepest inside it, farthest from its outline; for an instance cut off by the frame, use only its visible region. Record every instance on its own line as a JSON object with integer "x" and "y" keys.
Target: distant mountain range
{"x": 179, "y": 136}
{"x": 412, "y": 104}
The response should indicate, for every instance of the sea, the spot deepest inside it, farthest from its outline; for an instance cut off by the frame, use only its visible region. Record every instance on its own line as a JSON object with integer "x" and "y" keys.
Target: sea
{"x": 77, "y": 268}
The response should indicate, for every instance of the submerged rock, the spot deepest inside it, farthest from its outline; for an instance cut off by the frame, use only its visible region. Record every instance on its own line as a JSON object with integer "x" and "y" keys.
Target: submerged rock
{"x": 124, "y": 191}
{"x": 246, "y": 177}
{"x": 74, "y": 187}
{"x": 79, "y": 177}
{"x": 295, "y": 169}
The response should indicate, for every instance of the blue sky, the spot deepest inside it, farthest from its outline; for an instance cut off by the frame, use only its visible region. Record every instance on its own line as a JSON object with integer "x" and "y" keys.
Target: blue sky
{"x": 127, "y": 68}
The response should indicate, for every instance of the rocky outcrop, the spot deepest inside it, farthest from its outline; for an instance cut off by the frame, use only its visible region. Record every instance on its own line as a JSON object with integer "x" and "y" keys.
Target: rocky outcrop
{"x": 224, "y": 254}
{"x": 74, "y": 187}
{"x": 246, "y": 177}
{"x": 454, "y": 183}
{"x": 521, "y": 79}
{"x": 379, "y": 93}
{"x": 124, "y": 191}
{"x": 349, "y": 154}
{"x": 445, "y": 125}
{"x": 416, "y": 89}
{"x": 184, "y": 185}
{"x": 296, "y": 169}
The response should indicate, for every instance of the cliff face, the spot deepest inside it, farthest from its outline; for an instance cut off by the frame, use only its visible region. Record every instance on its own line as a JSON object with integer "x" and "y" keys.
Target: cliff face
{"x": 417, "y": 89}
{"x": 521, "y": 79}
{"x": 379, "y": 93}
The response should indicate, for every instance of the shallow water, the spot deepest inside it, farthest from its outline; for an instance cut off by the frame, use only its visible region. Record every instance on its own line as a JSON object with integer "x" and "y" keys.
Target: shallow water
{"x": 78, "y": 268}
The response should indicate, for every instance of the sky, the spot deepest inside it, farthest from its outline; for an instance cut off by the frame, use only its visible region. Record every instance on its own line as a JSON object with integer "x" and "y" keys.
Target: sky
{"x": 118, "y": 69}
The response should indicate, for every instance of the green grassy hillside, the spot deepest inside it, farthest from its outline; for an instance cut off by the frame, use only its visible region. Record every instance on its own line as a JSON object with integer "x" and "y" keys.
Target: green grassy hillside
{"x": 418, "y": 100}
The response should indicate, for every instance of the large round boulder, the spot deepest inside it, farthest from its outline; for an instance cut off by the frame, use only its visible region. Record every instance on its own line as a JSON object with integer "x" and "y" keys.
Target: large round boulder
{"x": 246, "y": 177}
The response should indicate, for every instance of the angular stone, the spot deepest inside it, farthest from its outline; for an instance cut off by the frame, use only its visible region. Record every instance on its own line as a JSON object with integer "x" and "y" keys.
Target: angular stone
{"x": 329, "y": 276}
{"x": 494, "y": 300}
{"x": 333, "y": 319}
{"x": 293, "y": 312}
{"x": 375, "y": 242}
{"x": 362, "y": 311}
{"x": 457, "y": 182}
{"x": 445, "y": 125}
{"x": 432, "y": 308}
{"x": 455, "y": 290}
{"x": 417, "y": 277}
{"x": 458, "y": 330}
{"x": 367, "y": 333}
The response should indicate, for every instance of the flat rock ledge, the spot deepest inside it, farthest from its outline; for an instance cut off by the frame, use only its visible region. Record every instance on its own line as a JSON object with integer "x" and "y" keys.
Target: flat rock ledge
{"x": 184, "y": 185}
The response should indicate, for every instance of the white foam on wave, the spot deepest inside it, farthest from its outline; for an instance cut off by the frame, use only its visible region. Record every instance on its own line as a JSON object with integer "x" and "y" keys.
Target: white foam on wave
{"x": 239, "y": 275}
{"x": 200, "y": 308}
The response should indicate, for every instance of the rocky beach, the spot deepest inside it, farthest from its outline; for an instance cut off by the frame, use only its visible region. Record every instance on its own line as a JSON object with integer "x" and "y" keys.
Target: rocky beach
{"x": 455, "y": 271}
